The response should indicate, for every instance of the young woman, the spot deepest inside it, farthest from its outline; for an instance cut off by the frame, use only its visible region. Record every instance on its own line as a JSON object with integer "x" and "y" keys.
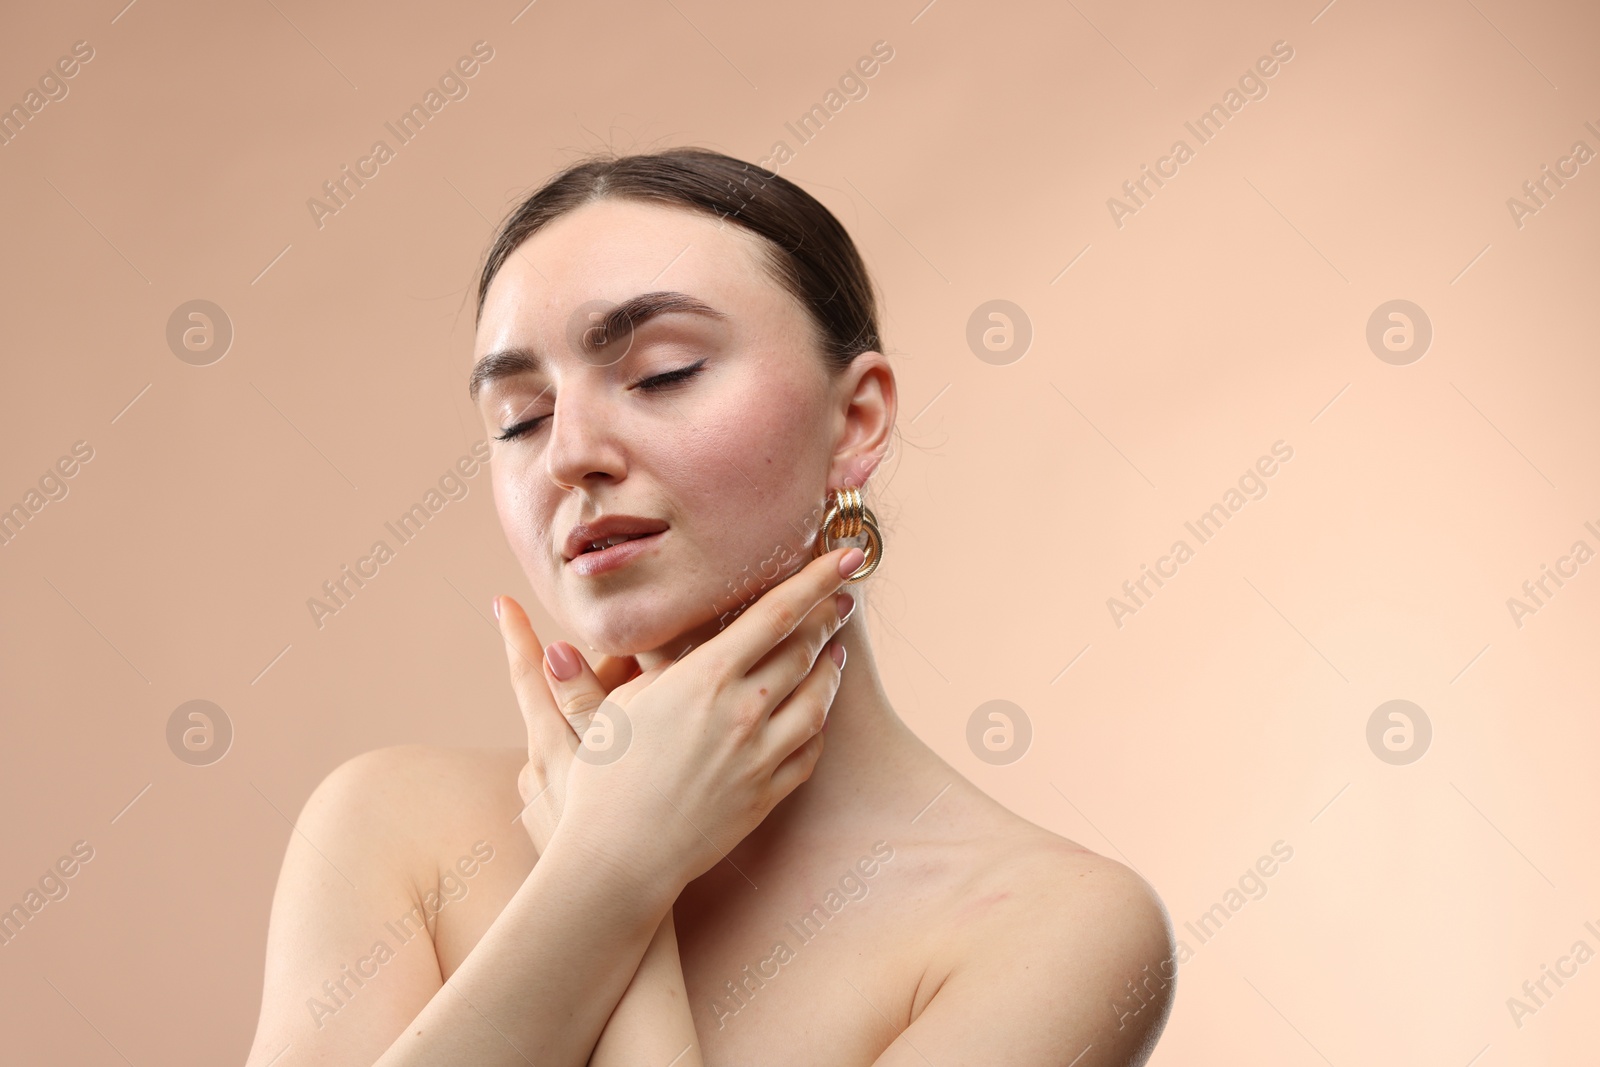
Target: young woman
{"x": 720, "y": 844}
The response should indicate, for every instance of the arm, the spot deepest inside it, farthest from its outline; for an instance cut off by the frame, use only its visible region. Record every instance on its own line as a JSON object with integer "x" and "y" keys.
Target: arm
{"x": 539, "y": 985}
{"x": 628, "y": 835}
{"x": 1082, "y": 974}
{"x": 652, "y": 1023}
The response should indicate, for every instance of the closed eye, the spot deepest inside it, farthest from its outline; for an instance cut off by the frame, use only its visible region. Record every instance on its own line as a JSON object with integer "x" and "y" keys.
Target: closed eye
{"x": 511, "y": 433}
{"x": 671, "y": 378}
{"x": 650, "y": 385}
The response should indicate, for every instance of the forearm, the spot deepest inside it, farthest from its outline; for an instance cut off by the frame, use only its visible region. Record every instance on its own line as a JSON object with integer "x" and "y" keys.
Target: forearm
{"x": 544, "y": 978}
{"x": 652, "y": 1023}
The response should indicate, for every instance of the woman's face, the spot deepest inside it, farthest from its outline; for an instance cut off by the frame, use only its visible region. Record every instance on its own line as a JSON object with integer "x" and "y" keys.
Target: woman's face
{"x": 731, "y": 458}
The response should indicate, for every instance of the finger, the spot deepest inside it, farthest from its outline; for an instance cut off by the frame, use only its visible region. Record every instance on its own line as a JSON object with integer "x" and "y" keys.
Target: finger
{"x": 797, "y": 767}
{"x": 800, "y": 716}
{"x": 525, "y": 656}
{"x": 615, "y": 670}
{"x": 796, "y": 655}
{"x": 773, "y": 617}
{"x": 573, "y": 684}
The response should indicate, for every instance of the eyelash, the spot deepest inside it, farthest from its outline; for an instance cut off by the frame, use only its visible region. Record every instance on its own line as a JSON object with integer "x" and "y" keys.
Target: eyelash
{"x": 652, "y": 385}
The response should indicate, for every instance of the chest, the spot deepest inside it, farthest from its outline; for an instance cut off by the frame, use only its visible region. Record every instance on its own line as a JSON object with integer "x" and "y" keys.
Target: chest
{"x": 815, "y": 963}
{"x": 817, "y": 959}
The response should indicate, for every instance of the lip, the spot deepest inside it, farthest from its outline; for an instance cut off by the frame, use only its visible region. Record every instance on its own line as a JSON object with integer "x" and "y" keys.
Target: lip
{"x": 610, "y": 559}
{"x": 603, "y": 527}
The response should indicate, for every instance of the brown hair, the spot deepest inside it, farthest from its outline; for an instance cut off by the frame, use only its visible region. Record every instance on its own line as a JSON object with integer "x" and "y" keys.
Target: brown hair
{"x": 807, "y": 251}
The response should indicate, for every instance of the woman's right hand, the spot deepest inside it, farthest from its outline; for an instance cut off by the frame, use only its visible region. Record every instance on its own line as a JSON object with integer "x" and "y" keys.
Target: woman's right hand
{"x": 696, "y": 754}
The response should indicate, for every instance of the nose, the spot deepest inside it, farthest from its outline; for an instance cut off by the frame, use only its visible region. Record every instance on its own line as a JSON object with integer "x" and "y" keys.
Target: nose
{"x": 584, "y": 444}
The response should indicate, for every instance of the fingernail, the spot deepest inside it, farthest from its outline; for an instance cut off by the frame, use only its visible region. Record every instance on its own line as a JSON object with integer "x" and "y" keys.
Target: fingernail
{"x": 844, "y": 603}
{"x": 563, "y": 662}
{"x": 836, "y": 650}
{"x": 497, "y": 608}
{"x": 850, "y": 561}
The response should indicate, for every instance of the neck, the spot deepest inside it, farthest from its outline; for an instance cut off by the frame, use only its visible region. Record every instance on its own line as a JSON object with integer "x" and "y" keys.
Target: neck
{"x": 866, "y": 747}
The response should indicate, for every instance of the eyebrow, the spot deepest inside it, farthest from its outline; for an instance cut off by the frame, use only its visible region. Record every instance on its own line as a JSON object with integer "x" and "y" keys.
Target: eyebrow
{"x": 621, "y": 320}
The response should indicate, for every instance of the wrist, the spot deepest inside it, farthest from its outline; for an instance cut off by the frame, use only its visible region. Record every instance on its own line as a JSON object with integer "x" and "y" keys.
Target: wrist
{"x": 629, "y": 887}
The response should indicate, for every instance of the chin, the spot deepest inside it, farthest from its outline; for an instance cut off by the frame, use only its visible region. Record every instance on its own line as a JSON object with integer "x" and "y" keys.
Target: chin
{"x": 629, "y": 631}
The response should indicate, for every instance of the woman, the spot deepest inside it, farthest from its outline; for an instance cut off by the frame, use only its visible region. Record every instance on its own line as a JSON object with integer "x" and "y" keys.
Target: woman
{"x": 681, "y": 351}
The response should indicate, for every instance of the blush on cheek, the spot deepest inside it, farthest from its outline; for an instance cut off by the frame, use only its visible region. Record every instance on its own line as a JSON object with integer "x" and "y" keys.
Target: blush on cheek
{"x": 747, "y": 513}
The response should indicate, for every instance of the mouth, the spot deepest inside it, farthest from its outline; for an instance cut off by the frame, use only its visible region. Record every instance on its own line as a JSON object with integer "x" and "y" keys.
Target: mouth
{"x": 608, "y": 541}
{"x": 610, "y": 553}
{"x": 607, "y": 531}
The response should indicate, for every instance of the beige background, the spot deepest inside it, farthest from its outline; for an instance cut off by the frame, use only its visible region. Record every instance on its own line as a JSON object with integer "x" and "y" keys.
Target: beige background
{"x": 1228, "y": 313}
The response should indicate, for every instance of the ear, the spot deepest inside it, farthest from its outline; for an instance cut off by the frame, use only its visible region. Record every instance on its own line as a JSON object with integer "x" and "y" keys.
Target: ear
{"x": 865, "y": 418}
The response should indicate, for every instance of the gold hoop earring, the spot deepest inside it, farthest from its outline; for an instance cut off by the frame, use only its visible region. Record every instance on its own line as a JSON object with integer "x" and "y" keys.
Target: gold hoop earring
{"x": 846, "y": 517}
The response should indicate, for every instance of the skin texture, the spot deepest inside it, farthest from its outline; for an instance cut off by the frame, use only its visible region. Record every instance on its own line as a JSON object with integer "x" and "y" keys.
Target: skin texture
{"x": 730, "y": 460}
{"x": 976, "y": 938}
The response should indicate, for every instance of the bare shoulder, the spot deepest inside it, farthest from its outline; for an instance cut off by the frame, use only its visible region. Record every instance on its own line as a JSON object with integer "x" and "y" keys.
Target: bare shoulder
{"x": 1076, "y": 884}
{"x": 360, "y": 881}
{"x": 407, "y": 790}
{"x": 1057, "y": 890}
{"x": 423, "y": 798}
{"x": 415, "y": 766}
{"x": 1080, "y": 944}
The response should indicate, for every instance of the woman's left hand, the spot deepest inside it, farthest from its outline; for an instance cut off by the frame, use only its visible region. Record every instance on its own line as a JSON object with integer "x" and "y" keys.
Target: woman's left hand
{"x": 557, "y": 712}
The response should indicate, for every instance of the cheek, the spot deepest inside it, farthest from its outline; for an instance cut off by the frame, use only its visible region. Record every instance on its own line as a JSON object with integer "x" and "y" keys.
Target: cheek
{"x": 745, "y": 481}
{"x": 747, "y": 461}
{"x": 524, "y": 517}
{"x": 787, "y": 452}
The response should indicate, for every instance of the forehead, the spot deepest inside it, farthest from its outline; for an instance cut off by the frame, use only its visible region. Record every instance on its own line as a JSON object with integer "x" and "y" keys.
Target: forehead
{"x": 614, "y": 249}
